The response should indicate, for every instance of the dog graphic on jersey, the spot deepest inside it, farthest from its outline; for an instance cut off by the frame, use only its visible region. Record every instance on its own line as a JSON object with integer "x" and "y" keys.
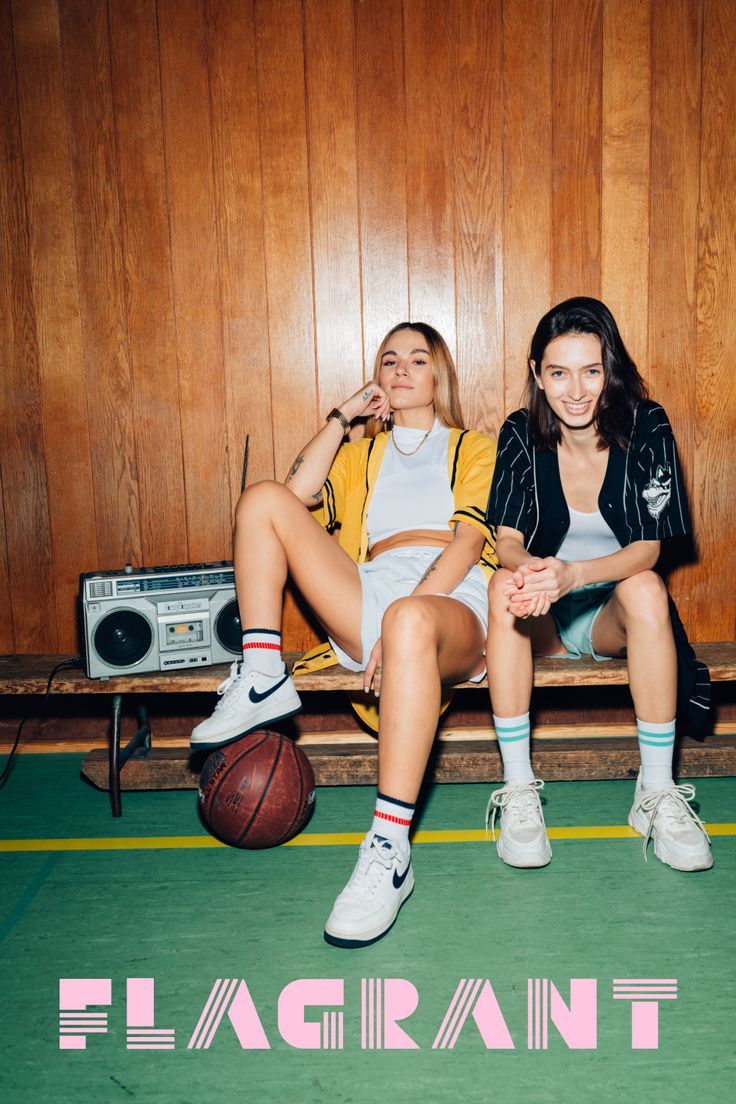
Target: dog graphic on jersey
{"x": 658, "y": 491}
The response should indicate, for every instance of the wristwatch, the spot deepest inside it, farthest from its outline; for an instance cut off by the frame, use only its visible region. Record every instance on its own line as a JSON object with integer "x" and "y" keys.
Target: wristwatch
{"x": 335, "y": 413}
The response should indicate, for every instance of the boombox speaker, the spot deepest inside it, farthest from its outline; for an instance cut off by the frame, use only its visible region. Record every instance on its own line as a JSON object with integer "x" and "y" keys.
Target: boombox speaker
{"x": 159, "y": 618}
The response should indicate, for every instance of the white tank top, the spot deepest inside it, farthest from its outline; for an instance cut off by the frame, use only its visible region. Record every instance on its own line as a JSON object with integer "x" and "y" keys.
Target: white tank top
{"x": 412, "y": 492}
{"x": 588, "y": 538}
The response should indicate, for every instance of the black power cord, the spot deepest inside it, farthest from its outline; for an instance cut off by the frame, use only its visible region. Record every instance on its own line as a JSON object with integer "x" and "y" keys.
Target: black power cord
{"x": 75, "y": 662}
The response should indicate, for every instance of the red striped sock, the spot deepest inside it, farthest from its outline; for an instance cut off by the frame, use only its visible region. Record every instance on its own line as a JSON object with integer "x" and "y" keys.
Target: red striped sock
{"x": 392, "y": 818}
{"x": 262, "y": 652}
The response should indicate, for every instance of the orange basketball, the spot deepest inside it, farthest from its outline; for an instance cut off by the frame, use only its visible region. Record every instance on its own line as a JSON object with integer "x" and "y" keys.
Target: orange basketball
{"x": 257, "y": 792}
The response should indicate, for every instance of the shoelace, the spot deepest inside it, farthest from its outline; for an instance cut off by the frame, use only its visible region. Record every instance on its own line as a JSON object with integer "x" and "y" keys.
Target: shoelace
{"x": 526, "y": 797}
{"x": 678, "y": 796}
{"x": 364, "y": 881}
{"x": 224, "y": 704}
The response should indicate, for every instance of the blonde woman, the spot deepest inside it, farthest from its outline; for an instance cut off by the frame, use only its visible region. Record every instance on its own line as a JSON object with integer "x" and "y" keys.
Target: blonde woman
{"x": 402, "y": 593}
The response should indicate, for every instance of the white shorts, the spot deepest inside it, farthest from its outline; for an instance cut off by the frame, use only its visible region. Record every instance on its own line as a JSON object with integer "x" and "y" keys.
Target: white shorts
{"x": 395, "y": 574}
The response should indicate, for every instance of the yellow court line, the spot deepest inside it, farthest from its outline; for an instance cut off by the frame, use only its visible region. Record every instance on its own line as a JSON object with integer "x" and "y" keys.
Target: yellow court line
{"x": 123, "y": 843}
{"x": 319, "y": 839}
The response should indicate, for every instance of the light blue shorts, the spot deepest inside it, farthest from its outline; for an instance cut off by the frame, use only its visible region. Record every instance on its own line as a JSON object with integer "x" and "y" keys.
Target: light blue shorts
{"x": 575, "y": 616}
{"x": 394, "y": 574}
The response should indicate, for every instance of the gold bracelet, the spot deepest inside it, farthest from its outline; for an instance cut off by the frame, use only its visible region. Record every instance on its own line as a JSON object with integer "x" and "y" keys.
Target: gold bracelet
{"x": 338, "y": 414}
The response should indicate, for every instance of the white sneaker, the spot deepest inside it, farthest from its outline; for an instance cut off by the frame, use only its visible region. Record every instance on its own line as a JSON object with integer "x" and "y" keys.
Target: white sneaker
{"x": 369, "y": 904}
{"x": 523, "y": 840}
{"x": 680, "y": 838}
{"x": 246, "y": 702}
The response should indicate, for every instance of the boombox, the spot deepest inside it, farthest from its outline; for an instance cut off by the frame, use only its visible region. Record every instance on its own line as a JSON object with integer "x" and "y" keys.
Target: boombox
{"x": 159, "y": 618}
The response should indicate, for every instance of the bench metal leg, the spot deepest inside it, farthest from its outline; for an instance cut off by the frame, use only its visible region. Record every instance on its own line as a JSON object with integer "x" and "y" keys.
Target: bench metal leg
{"x": 114, "y": 768}
{"x": 118, "y": 758}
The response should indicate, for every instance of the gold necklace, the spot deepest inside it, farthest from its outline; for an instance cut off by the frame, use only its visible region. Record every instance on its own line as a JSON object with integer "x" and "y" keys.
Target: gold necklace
{"x": 414, "y": 450}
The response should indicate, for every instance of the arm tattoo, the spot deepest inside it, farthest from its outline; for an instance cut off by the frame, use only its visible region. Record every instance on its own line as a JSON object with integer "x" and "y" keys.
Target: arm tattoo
{"x": 432, "y": 567}
{"x": 295, "y": 468}
{"x": 318, "y": 496}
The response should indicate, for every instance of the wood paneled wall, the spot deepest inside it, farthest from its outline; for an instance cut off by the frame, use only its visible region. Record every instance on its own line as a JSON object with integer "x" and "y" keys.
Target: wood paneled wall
{"x": 212, "y": 210}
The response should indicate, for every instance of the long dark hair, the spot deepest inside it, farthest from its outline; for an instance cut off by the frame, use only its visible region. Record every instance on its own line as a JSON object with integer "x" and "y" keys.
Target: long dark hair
{"x": 623, "y": 387}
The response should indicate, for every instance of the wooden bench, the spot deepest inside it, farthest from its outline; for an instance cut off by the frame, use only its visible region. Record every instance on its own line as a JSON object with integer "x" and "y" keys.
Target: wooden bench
{"x": 350, "y": 758}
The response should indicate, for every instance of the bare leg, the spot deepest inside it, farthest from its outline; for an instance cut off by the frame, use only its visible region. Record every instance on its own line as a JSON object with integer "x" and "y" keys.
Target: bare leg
{"x": 511, "y": 644}
{"x": 275, "y": 535}
{"x": 426, "y": 640}
{"x": 636, "y": 619}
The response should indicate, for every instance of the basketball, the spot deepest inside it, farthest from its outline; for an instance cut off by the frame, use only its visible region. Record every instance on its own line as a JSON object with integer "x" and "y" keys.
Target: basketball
{"x": 257, "y": 792}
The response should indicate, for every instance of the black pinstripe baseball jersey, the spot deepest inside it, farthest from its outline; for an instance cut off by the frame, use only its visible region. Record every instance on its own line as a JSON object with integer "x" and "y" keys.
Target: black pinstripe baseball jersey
{"x": 642, "y": 498}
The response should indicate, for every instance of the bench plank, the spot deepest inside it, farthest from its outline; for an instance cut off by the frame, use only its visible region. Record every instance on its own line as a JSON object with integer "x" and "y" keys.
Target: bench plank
{"x": 473, "y": 760}
{"x": 28, "y": 674}
{"x": 353, "y": 763}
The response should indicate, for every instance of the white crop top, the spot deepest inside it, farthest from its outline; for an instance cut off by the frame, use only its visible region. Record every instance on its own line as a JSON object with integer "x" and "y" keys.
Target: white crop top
{"x": 412, "y": 492}
{"x": 588, "y": 538}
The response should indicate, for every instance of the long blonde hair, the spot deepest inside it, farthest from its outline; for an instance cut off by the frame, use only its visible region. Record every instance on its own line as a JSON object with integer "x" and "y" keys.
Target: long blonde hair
{"x": 446, "y": 394}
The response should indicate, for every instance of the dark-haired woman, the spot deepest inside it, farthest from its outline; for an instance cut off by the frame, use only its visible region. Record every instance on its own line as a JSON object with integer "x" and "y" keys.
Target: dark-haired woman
{"x": 402, "y": 592}
{"x": 586, "y": 487}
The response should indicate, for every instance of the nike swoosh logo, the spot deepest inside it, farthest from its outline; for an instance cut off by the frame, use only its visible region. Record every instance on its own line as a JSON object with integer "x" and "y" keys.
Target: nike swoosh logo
{"x": 255, "y": 697}
{"x": 399, "y": 881}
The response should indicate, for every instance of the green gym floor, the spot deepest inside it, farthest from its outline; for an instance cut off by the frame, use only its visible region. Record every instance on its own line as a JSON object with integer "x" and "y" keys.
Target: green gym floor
{"x": 86, "y": 896}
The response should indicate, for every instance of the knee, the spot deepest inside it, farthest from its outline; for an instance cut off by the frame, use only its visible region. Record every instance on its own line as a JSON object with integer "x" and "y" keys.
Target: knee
{"x": 259, "y": 500}
{"x": 498, "y": 603}
{"x": 643, "y": 597}
{"x": 408, "y": 621}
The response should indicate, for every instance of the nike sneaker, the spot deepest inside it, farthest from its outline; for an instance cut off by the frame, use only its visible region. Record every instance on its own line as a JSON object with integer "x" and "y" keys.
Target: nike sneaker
{"x": 369, "y": 904}
{"x": 248, "y": 700}
{"x": 665, "y": 816}
{"x": 523, "y": 841}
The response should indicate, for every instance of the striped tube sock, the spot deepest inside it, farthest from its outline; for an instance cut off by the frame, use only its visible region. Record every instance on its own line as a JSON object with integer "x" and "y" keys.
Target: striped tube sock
{"x": 392, "y": 818}
{"x": 513, "y": 740}
{"x": 262, "y": 652}
{"x": 656, "y": 747}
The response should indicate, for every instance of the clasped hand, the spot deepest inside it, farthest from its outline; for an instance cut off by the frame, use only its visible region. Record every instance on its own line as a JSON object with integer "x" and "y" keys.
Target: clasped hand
{"x": 538, "y": 584}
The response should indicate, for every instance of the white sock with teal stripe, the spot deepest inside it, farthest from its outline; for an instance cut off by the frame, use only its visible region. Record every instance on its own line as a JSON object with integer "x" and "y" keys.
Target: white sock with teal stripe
{"x": 656, "y": 747}
{"x": 513, "y": 740}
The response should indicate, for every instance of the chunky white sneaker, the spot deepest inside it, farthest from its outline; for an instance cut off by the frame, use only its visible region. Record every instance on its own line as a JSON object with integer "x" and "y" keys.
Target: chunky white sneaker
{"x": 369, "y": 904}
{"x": 680, "y": 838}
{"x": 523, "y": 840}
{"x": 247, "y": 701}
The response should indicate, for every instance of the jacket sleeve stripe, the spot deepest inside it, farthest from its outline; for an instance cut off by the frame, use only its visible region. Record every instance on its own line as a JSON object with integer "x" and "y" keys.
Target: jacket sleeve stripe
{"x": 471, "y": 514}
{"x": 455, "y": 459}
